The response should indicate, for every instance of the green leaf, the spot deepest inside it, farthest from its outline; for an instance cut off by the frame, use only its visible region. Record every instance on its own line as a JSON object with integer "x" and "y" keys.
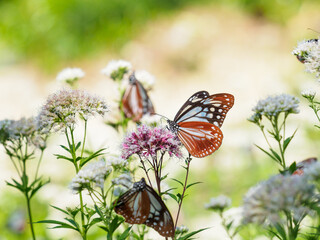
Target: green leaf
{"x": 269, "y": 154}
{"x": 125, "y": 234}
{"x": 189, "y": 235}
{"x": 72, "y": 222}
{"x": 60, "y": 209}
{"x": 176, "y": 180}
{"x": 276, "y": 155}
{"x": 65, "y": 148}
{"x": 63, "y": 157}
{"x": 78, "y": 145}
{"x": 94, "y": 155}
{"x": 174, "y": 197}
{"x": 288, "y": 140}
{"x": 59, "y": 224}
{"x": 191, "y": 184}
{"x": 37, "y": 187}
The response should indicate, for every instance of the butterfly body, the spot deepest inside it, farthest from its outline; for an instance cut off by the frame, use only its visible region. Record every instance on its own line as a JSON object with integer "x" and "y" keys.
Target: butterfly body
{"x": 197, "y": 123}
{"x": 135, "y": 100}
{"x": 142, "y": 205}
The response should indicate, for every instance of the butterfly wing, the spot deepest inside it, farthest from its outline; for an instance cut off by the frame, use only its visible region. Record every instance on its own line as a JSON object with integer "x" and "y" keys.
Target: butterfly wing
{"x": 136, "y": 101}
{"x": 159, "y": 217}
{"x": 201, "y": 107}
{"x": 200, "y": 138}
{"x": 134, "y": 206}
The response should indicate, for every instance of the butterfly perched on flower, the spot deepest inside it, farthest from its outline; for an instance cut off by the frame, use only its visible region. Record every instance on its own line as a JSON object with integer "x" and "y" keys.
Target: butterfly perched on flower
{"x": 135, "y": 100}
{"x": 142, "y": 205}
{"x": 198, "y": 122}
{"x": 303, "y": 164}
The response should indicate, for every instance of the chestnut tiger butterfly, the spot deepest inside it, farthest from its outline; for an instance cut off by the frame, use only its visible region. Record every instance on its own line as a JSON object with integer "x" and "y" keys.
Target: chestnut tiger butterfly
{"x": 142, "y": 205}
{"x": 197, "y": 124}
{"x": 135, "y": 100}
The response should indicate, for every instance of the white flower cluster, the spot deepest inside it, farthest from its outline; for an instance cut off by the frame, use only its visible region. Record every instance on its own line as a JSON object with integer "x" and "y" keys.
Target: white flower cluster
{"x": 312, "y": 171}
{"x": 151, "y": 120}
{"x": 308, "y": 52}
{"x": 124, "y": 180}
{"x": 145, "y": 78}
{"x": 94, "y": 173}
{"x": 116, "y": 162}
{"x": 308, "y": 93}
{"x": 116, "y": 68}
{"x": 268, "y": 201}
{"x": 70, "y": 75}
{"x": 61, "y": 109}
{"x": 274, "y": 105}
{"x": 181, "y": 229}
{"x": 218, "y": 203}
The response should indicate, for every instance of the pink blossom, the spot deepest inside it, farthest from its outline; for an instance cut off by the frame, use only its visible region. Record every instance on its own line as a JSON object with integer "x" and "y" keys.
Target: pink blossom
{"x": 147, "y": 141}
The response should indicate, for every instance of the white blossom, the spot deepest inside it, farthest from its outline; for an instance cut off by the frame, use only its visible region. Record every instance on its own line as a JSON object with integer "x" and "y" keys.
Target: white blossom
{"x": 151, "y": 120}
{"x": 274, "y": 105}
{"x": 116, "y": 162}
{"x": 145, "y": 78}
{"x": 308, "y": 93}
{"x": 70, "y": 75}
{"x": 268, "y": 201}
{"x": 181, "y": 229}
{"x": 116, "y": 68}
{"x": 123, "y": 180}
{"x": 92, "y": 175}
{"x": 218, "y": 203}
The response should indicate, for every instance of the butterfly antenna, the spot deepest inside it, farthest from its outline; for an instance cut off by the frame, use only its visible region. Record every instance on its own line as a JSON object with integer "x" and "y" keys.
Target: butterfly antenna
{"x": 160, "y": 115}
{"x": 313, "y": 30}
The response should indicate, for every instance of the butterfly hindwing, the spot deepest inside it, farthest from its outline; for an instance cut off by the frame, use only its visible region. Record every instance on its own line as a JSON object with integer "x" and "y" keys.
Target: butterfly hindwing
{"x": 200, "y": 138}
{"x": 202, "y": 107}
{"x": 142, "y": 205}
{"x": 159, "y": 216}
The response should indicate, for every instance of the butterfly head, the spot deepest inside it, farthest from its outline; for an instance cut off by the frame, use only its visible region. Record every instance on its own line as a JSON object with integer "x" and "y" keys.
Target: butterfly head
{"x": 132, "y": 78}
{"x": 173, "y": 126}
{"x": 139, "y": 186}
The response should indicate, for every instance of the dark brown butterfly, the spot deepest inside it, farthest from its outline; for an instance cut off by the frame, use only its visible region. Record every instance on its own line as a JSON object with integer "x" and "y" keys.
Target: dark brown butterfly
{"x": 197, "y": 123}
{"x": 135, "y": 100}
{"x": 142, "y": 205}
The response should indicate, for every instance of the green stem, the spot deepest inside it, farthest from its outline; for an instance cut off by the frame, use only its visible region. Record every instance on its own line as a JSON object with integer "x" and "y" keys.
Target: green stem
{"x": 224, "y": 224}
{"x": 184, "y": 190}
{"x": 30, "y": 216}
{"x": 84, "y": 137}
{"x": 38, "y": 165}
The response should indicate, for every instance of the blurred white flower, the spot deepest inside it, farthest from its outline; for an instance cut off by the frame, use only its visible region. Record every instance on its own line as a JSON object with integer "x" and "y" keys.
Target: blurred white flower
{"x": 70, "y": 75}
{"x": 274, "y": 105}
{"x": 116, "y": 162}
{"x": 123, "y": 180}
{"x": 218, "y": 203}
{"x": 280, "y": 195}
{"x": 119, "y": 190}
{"x": 181, "y": 229}
{"x": 308, "y": 93}
{"x": 92, "y": 175}
{"x": 151, "y": 120}
{"x": 145, "y": 78}
{"x": 116, "y": 69}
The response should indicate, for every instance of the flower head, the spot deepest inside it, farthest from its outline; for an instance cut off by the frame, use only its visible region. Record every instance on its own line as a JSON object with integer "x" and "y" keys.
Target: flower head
{"x": 147, "y": 141}
{"x": 146, "y": 79}
{"x": 218, "y": 203}
{"x": 116, "y": 69}
{"x": 62, "y": 108}
{"x": 152, "y": 120}
{"x": 92, "y": 175}
{"x": 181, "y": 229}
{"x": 272, "y": 106}
{"x": 70, "y": 75}
{"x": 116, "y": 162}
{"x": 24, "y": 128}
{"x": 308, "y": 94}
{"x": 124, "y": 180}
{"x": 269, "y": 200}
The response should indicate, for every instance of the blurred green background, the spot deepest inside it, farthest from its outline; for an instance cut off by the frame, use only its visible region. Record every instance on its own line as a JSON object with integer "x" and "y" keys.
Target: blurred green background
{"x": 237, "y": 46}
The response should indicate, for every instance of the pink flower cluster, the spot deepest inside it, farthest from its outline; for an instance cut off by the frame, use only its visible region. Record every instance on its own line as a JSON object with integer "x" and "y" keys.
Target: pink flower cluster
{"x": 147, "y": 141}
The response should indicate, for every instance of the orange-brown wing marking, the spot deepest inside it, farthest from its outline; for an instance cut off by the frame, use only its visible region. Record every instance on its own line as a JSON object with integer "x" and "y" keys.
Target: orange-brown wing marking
{"x": 200, "y": 138}
{"x": 132, "y": 102}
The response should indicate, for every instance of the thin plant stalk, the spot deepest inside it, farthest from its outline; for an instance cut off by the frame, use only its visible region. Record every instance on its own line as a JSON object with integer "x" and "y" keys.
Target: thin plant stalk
{"x": 184, "y": 189}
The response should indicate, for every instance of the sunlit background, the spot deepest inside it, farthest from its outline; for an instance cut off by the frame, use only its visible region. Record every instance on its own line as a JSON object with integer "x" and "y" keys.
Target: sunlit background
{"x": 241, "y": 47}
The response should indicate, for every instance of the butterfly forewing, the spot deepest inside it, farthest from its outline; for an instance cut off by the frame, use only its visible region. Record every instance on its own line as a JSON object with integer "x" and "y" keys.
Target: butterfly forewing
{"x": 200, "y": 138}
{"x": 159, "y": 216}
{"x": 134, "y": 206}
{"x": 136, "y": 101}
{"x": 201, "y": 107}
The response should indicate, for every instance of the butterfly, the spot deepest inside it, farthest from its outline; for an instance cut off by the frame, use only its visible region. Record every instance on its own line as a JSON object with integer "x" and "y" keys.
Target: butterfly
{"x": 135, "y": 100}
{"x": 142, "y": 205}
{"x": 197, "y": 124}
{"x": 303, "y": 164}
